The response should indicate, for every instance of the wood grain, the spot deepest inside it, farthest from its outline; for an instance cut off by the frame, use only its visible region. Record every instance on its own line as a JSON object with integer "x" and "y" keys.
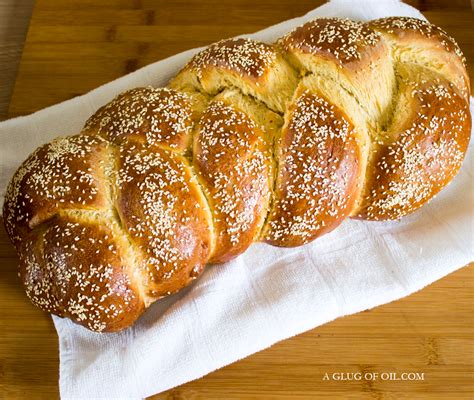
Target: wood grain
{"x": 14, "y": 17}
{"x": 77, "y": 45}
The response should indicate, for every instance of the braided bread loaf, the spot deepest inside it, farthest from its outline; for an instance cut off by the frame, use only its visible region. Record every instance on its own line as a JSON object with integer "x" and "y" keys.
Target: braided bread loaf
{"x": 250, "y": 142}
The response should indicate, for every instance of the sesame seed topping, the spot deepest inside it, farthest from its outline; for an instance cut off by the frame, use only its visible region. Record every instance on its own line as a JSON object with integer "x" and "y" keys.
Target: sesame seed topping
{"x": 233, "y": 164}
{"x": 317, "y": 171}
{"x": 159, "y": 199}
{"x": 411, "y": 169}
{"x": 246, "y": 57}
{"x": 156, "y": 116}
{"x": 56, "y": 173}
{"x": 343, "y": 39}
{"x": 402, "y": 25}
{"x": 63, "y": 276}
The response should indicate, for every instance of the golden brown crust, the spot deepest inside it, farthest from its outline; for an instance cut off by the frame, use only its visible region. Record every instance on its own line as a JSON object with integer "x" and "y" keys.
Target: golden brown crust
{"x": 346, "y": 42}
{"x": 424, "y": 156}
{"x": 247, "y": 58}
{"x": 255, "y": 68}
{"x": 165, "y": 216}
{"x": 408, "y": 29}
{"x": 232, "y": 160}
{"x": 77, "y": 269}
{"x": 319, "y": 169}
{"x": 426, "y": 44}
{"x": 147, "y": 115}
{"x": 349, "y": 55}
{"x": 65, "y": 173}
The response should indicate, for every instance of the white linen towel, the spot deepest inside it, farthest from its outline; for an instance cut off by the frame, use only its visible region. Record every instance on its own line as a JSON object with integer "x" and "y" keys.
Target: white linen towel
{"x": 267, "y": 294}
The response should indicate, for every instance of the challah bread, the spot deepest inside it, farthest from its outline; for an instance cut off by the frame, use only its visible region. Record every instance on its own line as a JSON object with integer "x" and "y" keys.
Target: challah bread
{"x": 250, "y": 142}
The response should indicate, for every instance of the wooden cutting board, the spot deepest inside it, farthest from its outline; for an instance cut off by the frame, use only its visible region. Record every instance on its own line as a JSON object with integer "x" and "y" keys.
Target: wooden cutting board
{"x": 73, "y": 47}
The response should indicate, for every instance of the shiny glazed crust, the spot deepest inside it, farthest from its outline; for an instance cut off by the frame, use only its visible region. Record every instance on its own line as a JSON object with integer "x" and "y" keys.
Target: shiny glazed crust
{"x": 250, "y": 142}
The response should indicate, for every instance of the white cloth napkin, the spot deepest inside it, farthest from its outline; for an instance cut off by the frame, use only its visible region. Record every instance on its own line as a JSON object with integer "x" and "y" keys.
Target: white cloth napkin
{"x": 265, "y": 295}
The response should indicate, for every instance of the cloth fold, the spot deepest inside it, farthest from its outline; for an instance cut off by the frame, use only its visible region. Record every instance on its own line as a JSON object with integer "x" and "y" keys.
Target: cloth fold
{"x": 266, "y": 295}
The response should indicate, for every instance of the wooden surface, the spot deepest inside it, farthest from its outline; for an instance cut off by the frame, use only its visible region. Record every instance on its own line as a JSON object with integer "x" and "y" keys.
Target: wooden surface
{"x": 14, "y": 18}
{"x": 77, "y": 45}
